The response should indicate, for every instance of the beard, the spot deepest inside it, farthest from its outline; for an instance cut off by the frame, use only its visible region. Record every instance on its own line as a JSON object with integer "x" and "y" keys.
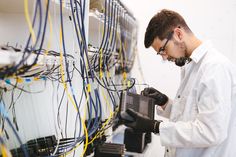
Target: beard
{"x": 182, "y": 61}
{"x": 179, "y": 61}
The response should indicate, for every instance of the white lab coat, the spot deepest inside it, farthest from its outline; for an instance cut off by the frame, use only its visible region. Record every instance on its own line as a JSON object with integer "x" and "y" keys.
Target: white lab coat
{"x": 203, "y": 114}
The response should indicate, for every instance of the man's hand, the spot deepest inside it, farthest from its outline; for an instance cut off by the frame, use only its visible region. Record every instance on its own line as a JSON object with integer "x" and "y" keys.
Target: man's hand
{"x": 142, "y": 123}
{"x": 160, "y": 99}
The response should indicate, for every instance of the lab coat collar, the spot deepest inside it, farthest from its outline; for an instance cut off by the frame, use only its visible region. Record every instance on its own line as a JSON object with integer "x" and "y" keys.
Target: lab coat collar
{"x": 200, "y": 51}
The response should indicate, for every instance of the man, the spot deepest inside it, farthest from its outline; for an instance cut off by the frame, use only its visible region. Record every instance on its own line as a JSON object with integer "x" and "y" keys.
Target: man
{"x": 202, "y": 117}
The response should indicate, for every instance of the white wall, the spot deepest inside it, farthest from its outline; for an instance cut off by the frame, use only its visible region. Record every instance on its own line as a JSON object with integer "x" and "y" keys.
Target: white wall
{"x": 209, "y": 19}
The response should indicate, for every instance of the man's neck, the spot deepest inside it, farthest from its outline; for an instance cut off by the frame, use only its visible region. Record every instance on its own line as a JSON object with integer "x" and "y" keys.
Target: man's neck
{"x": 193, "y": 43}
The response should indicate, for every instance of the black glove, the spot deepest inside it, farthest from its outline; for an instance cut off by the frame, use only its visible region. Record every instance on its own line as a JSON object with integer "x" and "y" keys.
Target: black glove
{"x": 142, "y": 123}
{"x": 160, "y": 99}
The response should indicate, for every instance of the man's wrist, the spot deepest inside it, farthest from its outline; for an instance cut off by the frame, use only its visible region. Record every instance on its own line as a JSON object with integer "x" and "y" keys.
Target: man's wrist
{"x": 156, "y": 126}
{"x": 164, "y": 106}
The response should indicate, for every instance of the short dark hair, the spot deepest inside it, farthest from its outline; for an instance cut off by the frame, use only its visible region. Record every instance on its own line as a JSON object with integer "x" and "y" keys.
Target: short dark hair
{"x": 161, "y": 24}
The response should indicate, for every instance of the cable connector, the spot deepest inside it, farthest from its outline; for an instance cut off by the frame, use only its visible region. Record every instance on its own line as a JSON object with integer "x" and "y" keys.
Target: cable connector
{"x": 124, "y": 75}
{"x": 100, "y": 75}
{"x": 89, "y": 88}
{"x": 128, "y": 83}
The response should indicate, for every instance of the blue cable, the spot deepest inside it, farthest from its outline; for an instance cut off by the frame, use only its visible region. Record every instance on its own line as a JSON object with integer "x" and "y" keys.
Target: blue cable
{"x": 82, "y": 71}
{"x": 116, "y": 26}
{"x": 66, "y": 63}
{"x": 4, "y": 114}
{"x": 82, "y": 62}
{"x": 63, "y": 41}
{"x": 11, "y": 70}
{"x": 85, "y": 45}
{"x": 111, "y": 96}
{"x": 110, "y": 22}
{"x": 106, "y": 15}
{"x": 85, "y": 50}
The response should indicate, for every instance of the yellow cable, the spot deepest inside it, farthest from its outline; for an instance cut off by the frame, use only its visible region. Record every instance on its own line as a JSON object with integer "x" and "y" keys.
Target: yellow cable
{"x": 29, "y": 21}
{"x": 70, "y": 97}
{"x": 108, "y": 105}
{"x": 100, "y": 65}
{"x": 107, "y": 102}
{"x": 84, "y": 126}
{"x": 101, "y": 55}
{"x": 106, "y": 122}
{"x": 86, "y": 135}
{"x": 89, "y": 88}
{"x": 3, "y": 150}
{"x": 124, "y": 76}
{"x": 63, "y": 74}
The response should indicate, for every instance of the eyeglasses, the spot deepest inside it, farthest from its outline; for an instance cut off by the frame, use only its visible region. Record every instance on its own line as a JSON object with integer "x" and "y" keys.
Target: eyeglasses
{"x": 162, "y": 49}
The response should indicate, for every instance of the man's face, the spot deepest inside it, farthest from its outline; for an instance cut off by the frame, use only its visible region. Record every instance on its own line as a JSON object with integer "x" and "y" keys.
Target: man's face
{"x": 171, "y": 47}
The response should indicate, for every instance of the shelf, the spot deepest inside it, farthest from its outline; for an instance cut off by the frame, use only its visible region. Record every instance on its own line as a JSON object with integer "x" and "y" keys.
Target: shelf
{"x": 17, "y": 6}
{"x": 44, "y": 62}
{"x": 96, "y": 26}
{"x": 96, "y": 19}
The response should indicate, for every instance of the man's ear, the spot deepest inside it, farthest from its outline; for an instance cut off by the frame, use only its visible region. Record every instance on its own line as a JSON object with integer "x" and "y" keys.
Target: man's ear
{"x": 178, "y": 34}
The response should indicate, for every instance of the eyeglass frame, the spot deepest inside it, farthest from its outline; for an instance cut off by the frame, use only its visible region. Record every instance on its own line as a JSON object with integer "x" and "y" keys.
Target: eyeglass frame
{"x": 162, "y": 49}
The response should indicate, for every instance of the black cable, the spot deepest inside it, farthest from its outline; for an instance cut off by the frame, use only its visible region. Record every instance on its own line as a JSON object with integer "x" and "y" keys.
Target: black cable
{"x": 110, "y": 25}
{"x": 105, "y": 33}
{"x": 111, "y": 96}
{"x": 120, "y": 90}
{"x": 42, "y": 41}
{"x": 8, "y": 71}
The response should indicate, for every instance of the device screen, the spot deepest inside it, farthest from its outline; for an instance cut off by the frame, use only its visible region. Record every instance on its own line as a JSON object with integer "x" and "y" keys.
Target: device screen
{"x": 139, "y": 103}
{"x": 143, "y": 107}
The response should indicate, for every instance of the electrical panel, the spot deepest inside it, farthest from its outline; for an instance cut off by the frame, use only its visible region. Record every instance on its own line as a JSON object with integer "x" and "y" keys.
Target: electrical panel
{"x": 63, "y": 66}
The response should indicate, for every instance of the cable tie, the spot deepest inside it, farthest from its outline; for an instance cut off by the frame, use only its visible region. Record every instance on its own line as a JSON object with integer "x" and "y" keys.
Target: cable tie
{"x": 43, "y": 78}
{"x": 36, "y": 78}
{"x": 8, "y": 81}
{"x": 19, "y": 80}
{"x": 27, "y": 80}
{"x": 124, "y": 75}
